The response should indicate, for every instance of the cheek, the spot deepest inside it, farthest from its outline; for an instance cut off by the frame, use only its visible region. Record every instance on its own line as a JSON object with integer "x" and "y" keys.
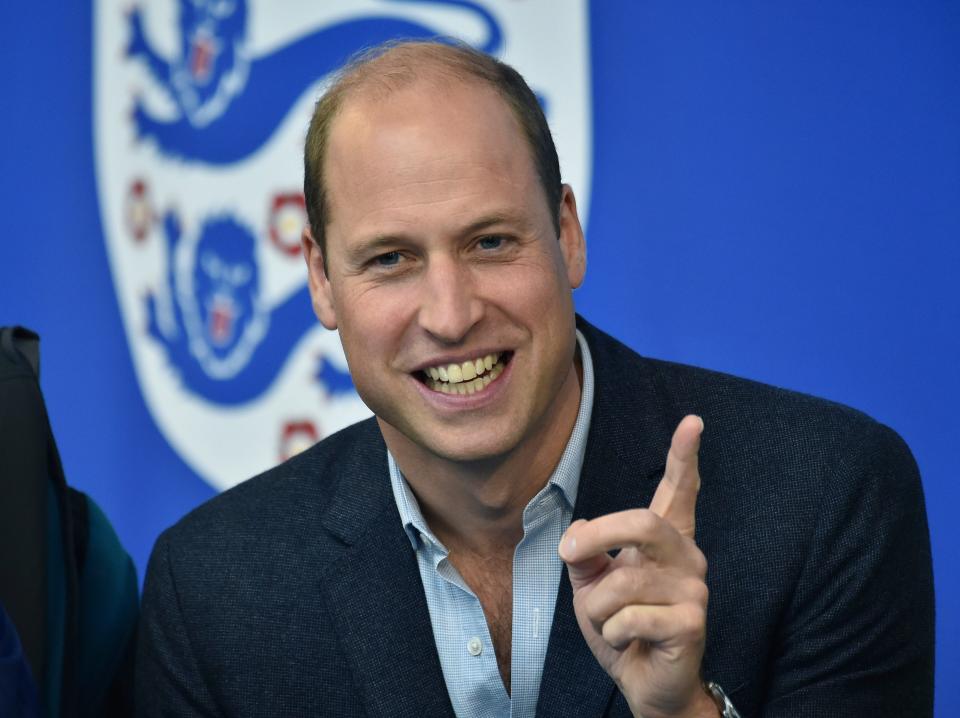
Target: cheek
{"x": 530, "y": 288}
{"x": 370, "y": 321}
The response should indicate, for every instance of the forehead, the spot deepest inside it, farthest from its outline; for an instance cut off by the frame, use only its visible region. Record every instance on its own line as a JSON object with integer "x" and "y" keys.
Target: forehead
{"x": 425, "y": 144}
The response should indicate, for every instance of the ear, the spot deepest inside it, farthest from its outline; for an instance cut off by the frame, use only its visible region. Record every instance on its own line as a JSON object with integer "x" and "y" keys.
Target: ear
{"x": 572, "y": 243}
{"x": 320, "y": 291}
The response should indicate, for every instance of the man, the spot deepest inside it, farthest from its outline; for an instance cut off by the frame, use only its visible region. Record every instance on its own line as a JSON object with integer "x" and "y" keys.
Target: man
{"x": 519, "y": 528}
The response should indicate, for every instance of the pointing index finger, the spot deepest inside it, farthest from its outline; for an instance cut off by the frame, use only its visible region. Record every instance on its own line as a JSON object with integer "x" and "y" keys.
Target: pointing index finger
{"x": 676, "y": 496}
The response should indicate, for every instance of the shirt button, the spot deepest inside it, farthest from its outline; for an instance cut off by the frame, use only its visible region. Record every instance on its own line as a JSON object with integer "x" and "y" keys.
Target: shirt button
{"x": 474, "y": 646}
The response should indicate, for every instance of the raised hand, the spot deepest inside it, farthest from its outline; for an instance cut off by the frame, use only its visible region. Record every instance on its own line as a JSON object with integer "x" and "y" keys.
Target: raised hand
{"x": 643, "y": 613}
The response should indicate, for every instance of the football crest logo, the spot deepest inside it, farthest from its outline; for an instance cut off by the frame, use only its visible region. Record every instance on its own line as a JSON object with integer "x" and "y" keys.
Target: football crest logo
{"x": 201, "y": 107}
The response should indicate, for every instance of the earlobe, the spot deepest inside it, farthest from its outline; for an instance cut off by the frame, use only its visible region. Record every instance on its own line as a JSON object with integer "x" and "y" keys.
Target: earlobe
{"x": 572, "y": 242}
{"x": 321, "y": 293}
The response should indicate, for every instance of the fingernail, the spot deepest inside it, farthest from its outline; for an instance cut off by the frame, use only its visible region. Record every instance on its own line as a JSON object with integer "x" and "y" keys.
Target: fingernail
{"x": 568, "y": 546}
{"x": 702, "y": 425}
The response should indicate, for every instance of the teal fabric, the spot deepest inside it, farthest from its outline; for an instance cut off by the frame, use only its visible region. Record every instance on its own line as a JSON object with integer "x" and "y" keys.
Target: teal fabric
{"x": 108, "y": 609}
{"x": 109, "y": 606}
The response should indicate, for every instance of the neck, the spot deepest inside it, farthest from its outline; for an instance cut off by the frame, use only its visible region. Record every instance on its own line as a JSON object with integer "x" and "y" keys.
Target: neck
{"x": 477, "y": 506}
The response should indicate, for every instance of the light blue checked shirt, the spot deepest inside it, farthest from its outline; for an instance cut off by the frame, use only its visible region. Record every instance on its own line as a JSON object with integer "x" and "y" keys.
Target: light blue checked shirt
{"x": 459, "y": 627}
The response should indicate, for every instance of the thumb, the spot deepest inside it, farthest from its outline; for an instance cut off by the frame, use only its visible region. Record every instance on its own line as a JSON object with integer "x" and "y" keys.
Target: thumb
{"x": 676, "y": 497}
{"x": 582, "y": 569}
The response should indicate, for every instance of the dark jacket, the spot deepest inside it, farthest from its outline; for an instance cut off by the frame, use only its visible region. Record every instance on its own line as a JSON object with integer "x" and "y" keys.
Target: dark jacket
{"x": 18, "y": 692}
{"x": 297, "y": 592}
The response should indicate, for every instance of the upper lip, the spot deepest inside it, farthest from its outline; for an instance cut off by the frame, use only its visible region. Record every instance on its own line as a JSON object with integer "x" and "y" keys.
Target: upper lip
{"x": 458, "y": 358}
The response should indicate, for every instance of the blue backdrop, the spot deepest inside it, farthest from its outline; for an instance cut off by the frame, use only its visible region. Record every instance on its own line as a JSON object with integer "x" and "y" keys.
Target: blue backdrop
{"x": 775, "y": 193}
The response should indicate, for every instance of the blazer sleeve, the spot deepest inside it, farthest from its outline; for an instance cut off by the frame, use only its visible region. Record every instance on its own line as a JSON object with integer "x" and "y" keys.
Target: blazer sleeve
{"x": 858, "y": 635}
{"x": 169, "y": 679}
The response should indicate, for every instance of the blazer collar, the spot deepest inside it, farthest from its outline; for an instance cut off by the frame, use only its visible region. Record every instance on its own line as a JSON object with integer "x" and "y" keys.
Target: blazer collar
{"x": 373, "y": 591}
{"x": 627, "y": 445}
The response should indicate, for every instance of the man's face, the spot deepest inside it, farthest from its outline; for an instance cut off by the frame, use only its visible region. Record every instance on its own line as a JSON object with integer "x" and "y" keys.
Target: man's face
{"x": 441, "y": 251}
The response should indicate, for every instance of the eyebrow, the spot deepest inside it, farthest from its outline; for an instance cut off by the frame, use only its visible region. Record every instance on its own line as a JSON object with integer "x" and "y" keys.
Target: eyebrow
{"x": 492, "y": 220}
{"x": 357, "y": 255}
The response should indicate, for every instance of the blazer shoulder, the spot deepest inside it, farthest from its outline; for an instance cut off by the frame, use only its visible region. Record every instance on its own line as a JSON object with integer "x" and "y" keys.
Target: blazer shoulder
{"x": 681, "y": 388}
{"x": 766, "y": 411}
{"x": 290, "y": 496}
{"x": 768, "y": 435}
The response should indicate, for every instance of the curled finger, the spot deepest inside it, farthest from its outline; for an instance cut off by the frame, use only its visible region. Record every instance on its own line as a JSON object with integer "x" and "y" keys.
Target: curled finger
{"x": 679, "y": 624}
{"x": 648, "y": 585}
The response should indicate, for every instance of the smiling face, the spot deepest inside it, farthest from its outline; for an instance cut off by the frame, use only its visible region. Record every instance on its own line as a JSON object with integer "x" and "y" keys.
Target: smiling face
{"x": 441, "y": 251}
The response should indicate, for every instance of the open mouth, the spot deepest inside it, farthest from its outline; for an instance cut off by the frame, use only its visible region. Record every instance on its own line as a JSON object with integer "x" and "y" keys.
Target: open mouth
{"x": 468, "y": 377}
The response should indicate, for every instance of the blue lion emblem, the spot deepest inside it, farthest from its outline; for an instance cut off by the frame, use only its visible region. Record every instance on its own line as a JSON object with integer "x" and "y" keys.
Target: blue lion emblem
{"x": 230, "y": 105}
{"x": 224, "y": 344}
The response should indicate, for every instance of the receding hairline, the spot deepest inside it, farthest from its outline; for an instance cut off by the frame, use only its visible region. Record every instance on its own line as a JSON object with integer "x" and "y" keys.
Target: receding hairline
{"x": 378, "y": 72}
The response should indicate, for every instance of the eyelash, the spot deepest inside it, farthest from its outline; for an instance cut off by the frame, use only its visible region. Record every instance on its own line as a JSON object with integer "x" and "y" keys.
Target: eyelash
{"x": 501, "y": 240}
{"x": 381, "y": 260}
{"x": 378, "y": 259}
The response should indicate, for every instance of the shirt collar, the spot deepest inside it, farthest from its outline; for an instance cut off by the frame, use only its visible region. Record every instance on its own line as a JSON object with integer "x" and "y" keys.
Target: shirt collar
{"x": 565, "y": 477}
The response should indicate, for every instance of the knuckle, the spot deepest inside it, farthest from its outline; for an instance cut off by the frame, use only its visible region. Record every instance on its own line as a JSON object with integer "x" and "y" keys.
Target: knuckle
{"x": 610, "y": 633}
{"x": 617, "y": 581}
{"x": 699, "y": 562}
{"x": 616, "y": 630}
{"x": 598, "y": 625}
{"x": 643, "y": 521}
{"x": 594, "y": 610}
{"x": 635, "y": 618}
{"x": 658, "y": 623}
{"x": 693, "y": 621}
{"x": 626, "y": 581}
{"x": 699, "y": 592}
{"x": 589, "y": 604}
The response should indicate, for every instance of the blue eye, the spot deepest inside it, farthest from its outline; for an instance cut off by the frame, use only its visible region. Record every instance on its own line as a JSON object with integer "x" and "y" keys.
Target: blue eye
{"x": 390, "y": 259}
{"x": 492, "y": 242}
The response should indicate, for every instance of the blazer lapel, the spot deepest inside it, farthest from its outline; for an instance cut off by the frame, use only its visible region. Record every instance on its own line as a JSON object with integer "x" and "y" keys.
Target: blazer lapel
{"x": 630, "y": 430}
{"x": 375, "y": 597}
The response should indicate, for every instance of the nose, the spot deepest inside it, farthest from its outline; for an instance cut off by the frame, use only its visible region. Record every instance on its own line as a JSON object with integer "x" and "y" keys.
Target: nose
{"x": 450, "y": 306}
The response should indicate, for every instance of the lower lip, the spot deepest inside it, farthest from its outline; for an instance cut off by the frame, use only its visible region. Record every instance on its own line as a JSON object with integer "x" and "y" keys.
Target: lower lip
{"x": 464, "y": 402}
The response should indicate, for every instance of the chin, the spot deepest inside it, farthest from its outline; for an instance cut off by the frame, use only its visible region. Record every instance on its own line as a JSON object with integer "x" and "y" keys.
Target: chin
{"x": 465, "y": 450}
{"x": 475, "y": 453}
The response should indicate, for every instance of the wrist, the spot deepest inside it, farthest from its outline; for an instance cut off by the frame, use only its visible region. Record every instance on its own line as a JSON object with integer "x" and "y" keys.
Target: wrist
{"x": 701, "y": 705}
{"x": 704, "y": 705}
{"x": 725, "y": 708}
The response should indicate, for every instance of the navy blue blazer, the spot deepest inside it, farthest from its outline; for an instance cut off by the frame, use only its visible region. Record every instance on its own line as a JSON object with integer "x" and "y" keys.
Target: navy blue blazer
{"x": 297, "y": 592}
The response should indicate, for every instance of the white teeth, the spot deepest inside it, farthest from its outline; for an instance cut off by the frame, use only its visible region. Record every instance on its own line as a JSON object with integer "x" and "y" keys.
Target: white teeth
{"x": 466, "y": 371}
{"x": 468, "y": 377}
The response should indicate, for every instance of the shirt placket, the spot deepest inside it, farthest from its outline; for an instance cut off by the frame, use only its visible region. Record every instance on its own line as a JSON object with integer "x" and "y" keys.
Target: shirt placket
{"x": 533, "y": 598}
{"x": 472, "y": 674}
